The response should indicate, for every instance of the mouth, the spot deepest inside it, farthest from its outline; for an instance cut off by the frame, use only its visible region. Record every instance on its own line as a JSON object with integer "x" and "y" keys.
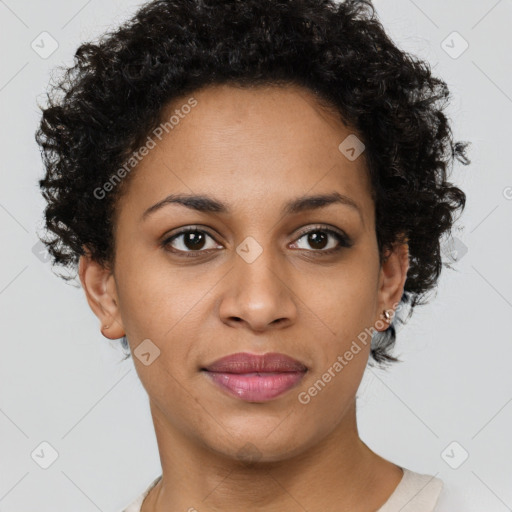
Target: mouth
{"x": 255, "y": 387}
{"x": 255, "y": 378}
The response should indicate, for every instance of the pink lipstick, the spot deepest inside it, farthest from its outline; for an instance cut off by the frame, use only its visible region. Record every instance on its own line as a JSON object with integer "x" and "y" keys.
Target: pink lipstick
{"x": 254, "y": 377}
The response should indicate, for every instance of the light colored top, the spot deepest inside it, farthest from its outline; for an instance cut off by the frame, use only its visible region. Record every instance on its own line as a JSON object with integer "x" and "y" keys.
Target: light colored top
{"x": 416, "y": 492}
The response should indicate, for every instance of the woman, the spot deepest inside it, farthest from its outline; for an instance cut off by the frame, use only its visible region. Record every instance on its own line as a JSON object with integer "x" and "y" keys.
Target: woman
{"x": 254, "y": 192}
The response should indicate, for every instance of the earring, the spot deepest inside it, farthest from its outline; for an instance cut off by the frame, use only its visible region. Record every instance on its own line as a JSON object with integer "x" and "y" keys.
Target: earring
{"x": 387, "y": 316}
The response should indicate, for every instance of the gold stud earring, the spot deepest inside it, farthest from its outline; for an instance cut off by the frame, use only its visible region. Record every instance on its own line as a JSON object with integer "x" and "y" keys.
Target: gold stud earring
{"x": 387, "y": 316}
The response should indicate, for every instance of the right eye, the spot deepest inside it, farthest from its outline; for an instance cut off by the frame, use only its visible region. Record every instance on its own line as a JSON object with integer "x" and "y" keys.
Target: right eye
{"x": 190, "y": 240}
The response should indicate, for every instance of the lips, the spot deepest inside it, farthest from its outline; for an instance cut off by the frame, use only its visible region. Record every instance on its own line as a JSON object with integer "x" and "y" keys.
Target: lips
{"x": 243, "y": 362}
{"x": 256, "y": 378}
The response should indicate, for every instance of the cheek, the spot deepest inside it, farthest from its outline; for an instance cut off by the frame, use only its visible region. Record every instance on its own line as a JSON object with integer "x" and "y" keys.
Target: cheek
{"x": 341, "y": 359}
{"x": 165, "y": 306}
{"x": 156, "y": 298}
{"x": 175, "y": 399}
{"x": 341, "y": 330}
{"x": 341, "y": 304}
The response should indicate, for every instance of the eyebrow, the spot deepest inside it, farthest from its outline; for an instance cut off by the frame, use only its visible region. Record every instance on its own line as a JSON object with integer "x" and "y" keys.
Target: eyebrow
{"x": 207, "y": 204}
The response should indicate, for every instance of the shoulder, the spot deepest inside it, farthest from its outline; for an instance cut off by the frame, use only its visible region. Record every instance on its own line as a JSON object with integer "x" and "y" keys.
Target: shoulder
{"x": 416, "y": 492}
{"x": 135, "y": 505}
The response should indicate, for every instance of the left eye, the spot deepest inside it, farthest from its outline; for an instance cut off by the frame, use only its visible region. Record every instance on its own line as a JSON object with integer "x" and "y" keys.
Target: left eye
{"x": 319, "y": 238}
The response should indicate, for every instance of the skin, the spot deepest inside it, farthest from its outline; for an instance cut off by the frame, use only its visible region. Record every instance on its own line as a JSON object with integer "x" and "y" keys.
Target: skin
{"x": 254, "y": 150}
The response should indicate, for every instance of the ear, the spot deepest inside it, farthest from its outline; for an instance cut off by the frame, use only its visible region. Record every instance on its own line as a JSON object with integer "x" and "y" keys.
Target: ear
{"x": 100, "y": 289}
{"x": 393, "y": 274}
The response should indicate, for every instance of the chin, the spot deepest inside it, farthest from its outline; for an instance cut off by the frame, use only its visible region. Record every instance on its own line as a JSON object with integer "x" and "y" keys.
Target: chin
{"x": 256, "y": 447}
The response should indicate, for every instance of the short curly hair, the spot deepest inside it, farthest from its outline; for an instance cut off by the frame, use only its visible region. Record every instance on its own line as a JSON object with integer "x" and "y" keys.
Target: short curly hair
{"x": 101, "y": 109}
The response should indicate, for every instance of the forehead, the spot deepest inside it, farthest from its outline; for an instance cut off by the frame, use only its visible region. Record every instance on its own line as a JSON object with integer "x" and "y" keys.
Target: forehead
{"x": 250, "y": 146}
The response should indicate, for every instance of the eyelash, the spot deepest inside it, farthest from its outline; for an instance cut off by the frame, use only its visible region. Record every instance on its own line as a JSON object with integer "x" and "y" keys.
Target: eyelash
{"x": 343, "y": 240}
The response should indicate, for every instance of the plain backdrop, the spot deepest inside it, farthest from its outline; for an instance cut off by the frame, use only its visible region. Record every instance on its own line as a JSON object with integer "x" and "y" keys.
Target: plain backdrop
{"x": 445, "y": 411}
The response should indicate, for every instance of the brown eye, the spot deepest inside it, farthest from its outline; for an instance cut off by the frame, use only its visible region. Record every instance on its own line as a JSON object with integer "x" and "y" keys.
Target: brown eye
{"x": 189, "y": 240}
{"x": 317, "y": 239}
{"x": 324, "y": 240}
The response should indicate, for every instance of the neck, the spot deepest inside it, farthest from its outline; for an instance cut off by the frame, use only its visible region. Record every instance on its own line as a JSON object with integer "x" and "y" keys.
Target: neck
{"x": 340, "y": 474}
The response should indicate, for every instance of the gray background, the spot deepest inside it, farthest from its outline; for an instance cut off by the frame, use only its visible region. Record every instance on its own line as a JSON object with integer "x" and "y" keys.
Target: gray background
{"x": 62, "y": 383}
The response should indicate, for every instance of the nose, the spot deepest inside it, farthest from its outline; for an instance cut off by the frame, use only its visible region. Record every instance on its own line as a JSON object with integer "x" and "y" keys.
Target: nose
{"x": 258, "y": 294}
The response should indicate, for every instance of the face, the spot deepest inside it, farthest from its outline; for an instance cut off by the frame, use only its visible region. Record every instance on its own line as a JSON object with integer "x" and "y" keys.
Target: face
{"x": 263, "y": 270}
